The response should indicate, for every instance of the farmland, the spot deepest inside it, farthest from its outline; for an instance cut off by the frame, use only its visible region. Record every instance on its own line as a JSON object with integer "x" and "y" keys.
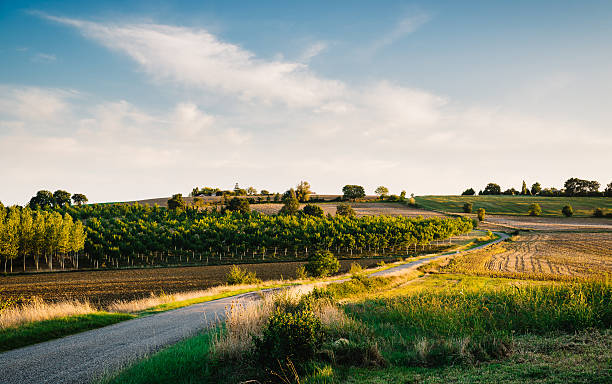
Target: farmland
{"x": 515, "y": 205}
{"x": 361, "y": 209}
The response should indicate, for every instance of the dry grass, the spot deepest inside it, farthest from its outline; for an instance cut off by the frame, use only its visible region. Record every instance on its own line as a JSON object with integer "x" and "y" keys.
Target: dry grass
{"x": 38, "y": 310}
{"x": 542, "y": 256}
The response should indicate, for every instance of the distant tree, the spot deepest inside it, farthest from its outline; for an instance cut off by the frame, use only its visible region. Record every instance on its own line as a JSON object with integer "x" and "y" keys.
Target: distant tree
{"x": 469, "y": 192}
{"x": 492, "y": 189}
{"x": 303, "y": 191}
{"x": 382, "y": 191}
{"x": 277, "y": 197}
{"x": 79, "y": 199}
{"x": 251, "y": 191}
{"x": 264, "y": 192}
{"x": 481, "y": 214}
{"x": 535, "y": 210}
{"x": 524, "y": 190}
{"x": 176, "y": 202}
{"x": 313, "y": 210}
{"x": 578, "y": 187}
{"x": 237, "y": 204}
{"x": 598, "y": 212}
{"x": 412, "y": 201}
{"x": 353, "y": 192}
{"x": 567, "y": 211}
{"x": 467, "y": 207}
{"x": 345, "y": 210}
{"x": 536, "y": 188}
{"x": 322, "y": 263}
{"x": 608, "y": 190}
{"x": 510, "y": 192}
{"x": 62, "y": 198}
{"x": 43, "y": 200}
{"x": 402, "y": 196}
{"x": 291, "y": 205}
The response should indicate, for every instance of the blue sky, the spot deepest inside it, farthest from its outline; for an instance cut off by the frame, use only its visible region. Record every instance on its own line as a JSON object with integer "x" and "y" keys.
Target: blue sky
{"x": 151, "y": 98}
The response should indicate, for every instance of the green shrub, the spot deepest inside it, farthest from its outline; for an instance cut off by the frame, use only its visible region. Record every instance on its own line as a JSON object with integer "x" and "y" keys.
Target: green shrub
{"x": 295, "y": 336}
{"x": 322, "y": 263}
{"x": 239, "y": 205}
{"x": 598, "y": 212}
{"x": 237, "y": 275}
{"x": 567, "y": 211}
{"x": 535, "y": 210}
{"x": 313, "y": 210}
{"x": 345, "y": 210}
{"x": 467, "y": 207}
{"x": 481, "y": 214}
{"x": 300, "y": 272}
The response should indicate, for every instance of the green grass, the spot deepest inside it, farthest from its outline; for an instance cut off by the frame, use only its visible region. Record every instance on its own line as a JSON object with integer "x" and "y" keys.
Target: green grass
{"x": 515, "y": 205}
{"x": 36, "y": 332}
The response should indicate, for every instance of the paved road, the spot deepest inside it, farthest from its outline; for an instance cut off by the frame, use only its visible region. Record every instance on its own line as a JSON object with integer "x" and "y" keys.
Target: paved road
{"x": 86, "y": 356}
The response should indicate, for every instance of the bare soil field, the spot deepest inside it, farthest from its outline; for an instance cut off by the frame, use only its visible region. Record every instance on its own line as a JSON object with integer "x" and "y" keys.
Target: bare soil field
{"x": 103, "y": 287}
{"x": 550, "y": 223}
{"x": 361, "y": 209}
{"x": 542, "y": 254}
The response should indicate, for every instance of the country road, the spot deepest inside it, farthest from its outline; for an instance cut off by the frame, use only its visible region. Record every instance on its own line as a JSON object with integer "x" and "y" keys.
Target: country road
{"x": 87, "y": 356}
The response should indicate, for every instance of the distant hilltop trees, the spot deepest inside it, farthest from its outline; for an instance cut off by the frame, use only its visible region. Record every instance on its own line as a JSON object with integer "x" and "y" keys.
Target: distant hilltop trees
{"x": 45, "y": 199}
{"x": 572, "y": 187}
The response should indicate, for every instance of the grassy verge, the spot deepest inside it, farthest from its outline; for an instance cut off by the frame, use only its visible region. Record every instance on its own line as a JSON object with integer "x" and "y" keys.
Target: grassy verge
{"x": 36, "y": 332}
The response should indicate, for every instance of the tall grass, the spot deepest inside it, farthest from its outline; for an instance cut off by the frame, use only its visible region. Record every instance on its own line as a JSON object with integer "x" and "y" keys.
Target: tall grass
{"x": 38, "y": 310}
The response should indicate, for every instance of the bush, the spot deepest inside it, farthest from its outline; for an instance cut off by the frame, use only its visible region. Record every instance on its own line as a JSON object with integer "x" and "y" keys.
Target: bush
{"x": 355, "y": 269}
{"x": 567, "y": 211}
{"x": 474, "y": 223}
{"x": 535, "y": 210}
{"x": 469, "y": 192}
{"x": 345, "y": 210}
{"x": 598, "y": 212}
{"x": 237, "y": 275}
{"x": 300, "y": 272}
{"x": 467, "y": 207}
{"x": 239, "y": 205}
{"x": 313, "y": 210}
{"x": 481, "y": 214}
{"x": 322, "y": 263}
{"x": 412, "y": 202}
{"x": 295, "y": 336}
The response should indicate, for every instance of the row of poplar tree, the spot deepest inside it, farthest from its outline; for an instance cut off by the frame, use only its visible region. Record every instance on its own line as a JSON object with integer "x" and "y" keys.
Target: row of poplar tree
{"x": 40, "y": 235}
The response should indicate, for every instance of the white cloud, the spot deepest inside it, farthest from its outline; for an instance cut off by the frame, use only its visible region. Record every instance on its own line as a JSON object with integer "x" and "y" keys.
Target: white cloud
{"x": 33, "y": 104}
{"x": 403, "y": 27}
{"x": 43, "y": 58}
{"x": 313, "y": 50}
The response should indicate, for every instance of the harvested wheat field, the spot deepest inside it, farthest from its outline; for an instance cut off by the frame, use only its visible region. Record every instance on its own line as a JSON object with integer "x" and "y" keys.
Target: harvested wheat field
{"x": 553, "y": 254}
{"x": 361, "y": 209}
{"x": 550, "y": 223}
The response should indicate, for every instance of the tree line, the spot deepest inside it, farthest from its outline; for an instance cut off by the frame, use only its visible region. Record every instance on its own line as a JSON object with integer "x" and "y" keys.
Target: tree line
{"x": 572, "y": 187}
{"x": 25, "y": 232}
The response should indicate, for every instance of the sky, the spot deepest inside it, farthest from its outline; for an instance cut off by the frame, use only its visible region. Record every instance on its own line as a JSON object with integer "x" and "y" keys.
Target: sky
{"x": 142, "y": 99}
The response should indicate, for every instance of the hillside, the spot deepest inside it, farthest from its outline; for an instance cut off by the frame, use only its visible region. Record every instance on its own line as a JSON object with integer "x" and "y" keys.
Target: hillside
{"x": 515, "y": 205}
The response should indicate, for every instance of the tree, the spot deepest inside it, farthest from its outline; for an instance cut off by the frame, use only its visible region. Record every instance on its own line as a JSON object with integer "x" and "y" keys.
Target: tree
{"x": 607, "y": 191}
{"x": 467, "y": 207}
{"x": 345, "y": 210}
{"x": 313, "y": 210}
{"x": 382, "y": 191}
{"x": 492, "y": 189}
{"x": 353, "y": 192}
{"x": 251, "y": 191}
{"x": 79, "y": 199}
{"x": 536, "y": 188}
{"x": 303, "y": 191}
{"x": 567, "y": 211}
{"x": 469, "y": 192}
{"x": 510, "y": 192}
{"x": 62, "y": 198}
{"x": 535, "y": 210}
{"x": 237, "y": 204}
{"x": 481, "y": 214}
{"x": 322, "y": 263}
{"x": 402, "y": 196}
{"x": 264, "y": 192}
{"x": 291, "y": 205}
{"x": 176, "y": 202}
{"x": 578, "y": 187}
{"x": 598, "y": 212}
{"x": 524, "y": 190}
{"x": 43, "y": 200}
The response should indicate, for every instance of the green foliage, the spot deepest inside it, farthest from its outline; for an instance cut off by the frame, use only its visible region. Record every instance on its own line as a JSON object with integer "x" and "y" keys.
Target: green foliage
{"x": 295, "y": 336}
{"x": 313, "y": 210}
{"x": 79, "y": 199}
{"x": 353, "y": 192}
{"x": 300, "y": 272}
{"x": 237, "y": 204}
{"x": 291, "y": 204}
{"x": 303, "y": 192}
{"x": 322, "y": 263}
{"x": 237, "y": 275}
{"x": 61, "y": 198}
{"x": 345, "y": 210}
{"x": 468, "y": 192}
{"x": 381, "y": 191}
{"x": 567, "y": 211}
{"x": 481, "y": 214}
{"x": 492, "y": 189}
{"x": 176, "y": 202}
{"x": 467, "y": 208}
{"x": 535, "y": 210}
{"x": 402, "y": 196}
{"x": 579, "y": 187}
{"x": 536, "y": 188}
{"x": 598, "y": 212}
{"x": 524, "y": 190}
{"x": 43, "y": 200}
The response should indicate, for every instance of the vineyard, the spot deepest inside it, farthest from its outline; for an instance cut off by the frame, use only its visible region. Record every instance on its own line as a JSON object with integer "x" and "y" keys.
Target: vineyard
{"x": 135, "y": 235}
